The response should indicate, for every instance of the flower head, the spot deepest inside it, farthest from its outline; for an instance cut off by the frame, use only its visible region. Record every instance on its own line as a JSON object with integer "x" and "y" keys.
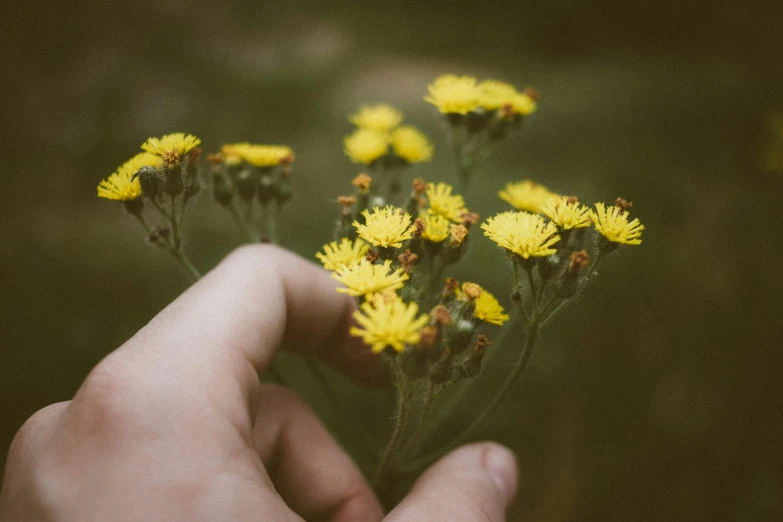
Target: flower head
{"x": 122, "y": 186}
{"x": 443, "y": 203}
{"x": 265, "y": 155}
{"x": 454, "y": 94}
{"x": 178, "y": 142}
{"x": 523, "y": 104}
{"x": 385, "y": 227}
{"x": 363, "y": 278}
{"x": 366, "y": 146}
{"x": 388, "y": 321}
{"x": 494, "y": 94}
{"x": 380, "y": 118}
{"x": 436, "y": 228}
{"x": 613, "y": 224}
{"x": 526, "y": 195}
{"x": 337, "y": 255}
{"x": 566, "y": 213}
{"x": 527, "y": 235}
{"x": 411, "y": 145}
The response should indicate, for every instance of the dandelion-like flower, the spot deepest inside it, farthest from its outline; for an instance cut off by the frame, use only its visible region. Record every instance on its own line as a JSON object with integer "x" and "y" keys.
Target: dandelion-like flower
{"x": 265, "y": 155}
{"x": 337, "y": 255}
{"x": 489, "y": 310}
{"x": 494, "y": 94}
{"x": 453, "y": 94}
{"x": 612, "y": 223}
{"x": 523, "y": 104}
{"x": 411, "y": 145}
{"x": 366, "y": 146}
{"x": 388, "y": 321}
{"x": 362, "y": 278}
{"x": 178, "y": 142}
{"x": 566, "y": 213}
{"x": 527, "y": 235}
{"x": 385, "y": 227}
{"x": 526, "y": 195}
{"x": 444, "y": 203}
{"x": 121, "y": 186}
{"x": 380, "y": 118}
{"x": 436, "y": 228}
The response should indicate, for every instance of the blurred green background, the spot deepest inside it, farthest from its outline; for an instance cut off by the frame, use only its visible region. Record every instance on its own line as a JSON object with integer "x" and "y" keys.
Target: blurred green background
{"x": 657, "y": 396}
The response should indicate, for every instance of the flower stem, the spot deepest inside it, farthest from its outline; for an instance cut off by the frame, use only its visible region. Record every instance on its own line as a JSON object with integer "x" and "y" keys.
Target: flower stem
{"x": 410, "y": 448}
{"x": 272, "y": 218}
{"x": 399, "y": 428}
{"x": 252, "y": 235}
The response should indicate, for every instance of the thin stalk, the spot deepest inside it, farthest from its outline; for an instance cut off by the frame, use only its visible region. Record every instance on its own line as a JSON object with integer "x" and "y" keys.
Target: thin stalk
{"x": 533, "y": 291}
{"x": 186, "y": 263}
{"x": 272, "y": 217}
{"x": 399, "y": 427}
{"x": 457, "y": 153}
{"x": 175, "y": 224}
{"x": 424, "y": 419}
{"x": 251, "y": 234}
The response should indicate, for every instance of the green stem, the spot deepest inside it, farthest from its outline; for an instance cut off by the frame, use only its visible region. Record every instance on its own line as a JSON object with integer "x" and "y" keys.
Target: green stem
{"x": 399, "y": 427}
{"x": 272, "y": 218}
{"x": 457, "y": 152}
{"x": 533, "y": 291}
{"x": 423, "y": 421}
{"x": 252, "y": 235}
{"x": 175, "y": 224}
{"x": 186, "y": 263}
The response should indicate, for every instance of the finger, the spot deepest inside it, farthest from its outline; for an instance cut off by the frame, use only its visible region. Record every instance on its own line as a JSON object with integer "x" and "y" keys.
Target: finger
{"x": 309, "y": 469}
{"x": 475, "y": 482}
{"x": 226, "y": 328}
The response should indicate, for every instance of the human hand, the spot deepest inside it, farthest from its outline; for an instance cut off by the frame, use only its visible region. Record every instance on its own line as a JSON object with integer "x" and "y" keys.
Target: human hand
{"x": 175, "y": 425}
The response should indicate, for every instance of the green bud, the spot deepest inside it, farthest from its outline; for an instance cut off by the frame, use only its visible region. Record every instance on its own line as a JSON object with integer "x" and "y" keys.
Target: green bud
{"x": 284, "y": 189}
{"x": 247, "y": 184}
{"x": 460, "y": 333}
{"x": 134, "y": 206}
{"x": 443, "y": 370}
{"x": 266, "y": 189}
{"x": 150, "y": 181}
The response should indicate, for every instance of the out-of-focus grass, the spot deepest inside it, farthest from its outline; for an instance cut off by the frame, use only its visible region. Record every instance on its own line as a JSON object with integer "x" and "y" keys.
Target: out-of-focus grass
{"x": 655, "y": 397}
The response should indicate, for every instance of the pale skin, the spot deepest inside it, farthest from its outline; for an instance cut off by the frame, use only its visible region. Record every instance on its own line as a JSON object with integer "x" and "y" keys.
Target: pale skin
{"x": 175, "y": 424}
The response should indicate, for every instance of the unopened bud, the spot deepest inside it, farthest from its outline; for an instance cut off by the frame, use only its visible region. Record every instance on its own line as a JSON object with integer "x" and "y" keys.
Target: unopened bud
{"x": 174, "y": 183}
{"x": 460, "y": 334}
{"x": 471, "y": 366}
{"x": 283, "y": 189}
{"x": 221, "y": 190}
{"x": 442, "y": 371}
{"x": 362, "y": 182}
{"x": 440, "y": 315}
{"x": 247, "y": 184}
{"x": 150, "y": 181}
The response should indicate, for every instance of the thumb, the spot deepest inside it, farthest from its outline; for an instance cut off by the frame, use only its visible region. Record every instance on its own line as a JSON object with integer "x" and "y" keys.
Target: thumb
{"x": 474, "y": 482}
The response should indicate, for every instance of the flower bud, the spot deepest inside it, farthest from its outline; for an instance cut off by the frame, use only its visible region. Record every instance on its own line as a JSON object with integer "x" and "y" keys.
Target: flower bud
{"x": 247, "y": 184}
{"x": 266, "y": 189}
{"x": 459, "y": 335}
{"x": 221, "y": 190}
{"x": 149, "y": 180}
{"x": 443, "y": 370}
{"x": 283, "y": 189}
{"x": 174, "y": 183}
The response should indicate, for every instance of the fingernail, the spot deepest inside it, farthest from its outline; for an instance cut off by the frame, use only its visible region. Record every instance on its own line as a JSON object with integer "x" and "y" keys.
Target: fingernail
{"x": 502, "y": 467}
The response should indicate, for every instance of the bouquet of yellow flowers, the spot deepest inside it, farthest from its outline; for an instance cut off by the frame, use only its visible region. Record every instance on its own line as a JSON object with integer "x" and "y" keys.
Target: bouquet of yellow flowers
{"x": 393, "y": 247}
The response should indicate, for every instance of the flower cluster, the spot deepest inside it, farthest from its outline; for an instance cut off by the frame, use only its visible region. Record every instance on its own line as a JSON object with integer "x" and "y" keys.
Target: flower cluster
{"x": 379, "y": 140}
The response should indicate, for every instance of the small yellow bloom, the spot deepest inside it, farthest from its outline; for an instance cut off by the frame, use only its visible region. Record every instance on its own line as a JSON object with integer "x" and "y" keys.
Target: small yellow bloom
{"x": 121, "y": 186}
{"x": 411, "y": 145}
{"x": 388, "y": 322}
{"x": 454, "y": 94}
{"x": 494, "y": 94}
{"x": 366, "y": 146}
{"x": 526, "y": 195}
{"x": 443, "y": 203}
{"x": 613, "y": 224}
{"x": 380, "y": 118}
{"x": 265, "y": 155}
{"x": 487, "y": 308}
{"x": 179, "y": 142}
{"x": 364, "y": 278}
{"x": 566, "y": 213}
{"x": 527, "y": 235}
{"x": 523, "y": 104}
{"x": 385, "y": 227}
{"x": 337, "y": 255}
{"x": 436, "y": 228}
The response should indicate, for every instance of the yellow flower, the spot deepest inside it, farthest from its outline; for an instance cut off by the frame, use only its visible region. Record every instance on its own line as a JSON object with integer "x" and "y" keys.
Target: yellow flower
{"x": 488, "y": 308}
{"x": 265, "y": 155}
{"x": 336, "y": 255}
{"x": 436, "y": 228}
{"x": 411, "y": 145}
{"x": 380, "y": 118}
{"x": 385, "y": 227}
{"x": 566, "y": 213}
{"x": 179, "y": 142}
{"x": 526, "y": 195}
{"x": 454, "y": 94}
{"x": 121, "y": 186}
{"x": 527, "y": 235}
{"x": 523, "y": 104}
{"x": 366, "y": 146}
{"x": 494, "y": 94}
{"x": 613, "y": 224}
{"x": 388, "y": 321}
{"x": 232, "y": 152}
{"x": 443, "y": 203}
{"x": 364, "y": 278}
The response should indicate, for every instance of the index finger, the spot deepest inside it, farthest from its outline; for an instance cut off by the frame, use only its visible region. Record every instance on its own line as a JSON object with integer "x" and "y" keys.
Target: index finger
{"x": 227, "y": 327}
